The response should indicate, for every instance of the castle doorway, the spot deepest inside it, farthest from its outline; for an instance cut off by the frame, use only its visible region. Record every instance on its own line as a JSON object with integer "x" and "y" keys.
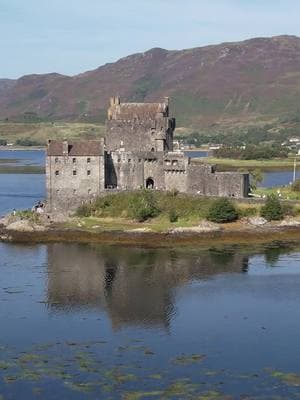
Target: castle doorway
{"x": 150, "y": 183}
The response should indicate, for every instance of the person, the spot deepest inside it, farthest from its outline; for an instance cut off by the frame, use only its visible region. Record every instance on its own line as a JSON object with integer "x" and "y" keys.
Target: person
{"x": 14, "y": 212}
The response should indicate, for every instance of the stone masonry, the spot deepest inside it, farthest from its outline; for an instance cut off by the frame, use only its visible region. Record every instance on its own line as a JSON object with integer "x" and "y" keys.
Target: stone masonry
{"x": 137, "y": 153}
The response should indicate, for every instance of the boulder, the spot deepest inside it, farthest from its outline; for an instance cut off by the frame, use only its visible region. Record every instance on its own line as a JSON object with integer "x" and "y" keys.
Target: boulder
{"x": 257, "y": 221}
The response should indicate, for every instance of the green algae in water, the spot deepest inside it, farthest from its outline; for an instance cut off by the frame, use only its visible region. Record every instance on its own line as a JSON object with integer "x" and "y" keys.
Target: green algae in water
{"x": 142, "y": 395}
{"x": 290, "y": 378}
{"x": 10, "y": 379}
{"x": 212, "y": 395}
{"x": 181, "y": 387}
{"x": 5, "y": 365}
{"x": 80, "y": 386}
{"x": 186, "y": 359}
{"x": 156, "y": 376}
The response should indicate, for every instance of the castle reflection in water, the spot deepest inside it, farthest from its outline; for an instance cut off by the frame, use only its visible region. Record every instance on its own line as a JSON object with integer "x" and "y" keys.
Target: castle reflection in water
{"x": 134, "y": 286}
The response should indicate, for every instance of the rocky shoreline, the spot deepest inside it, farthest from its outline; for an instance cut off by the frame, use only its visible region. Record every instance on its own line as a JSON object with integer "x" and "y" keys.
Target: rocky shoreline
{"x": 245, "y": 233}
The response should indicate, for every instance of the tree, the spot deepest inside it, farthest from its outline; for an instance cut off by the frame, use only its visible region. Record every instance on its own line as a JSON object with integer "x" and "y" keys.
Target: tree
{"x": 256, "y": 178}
{"x": 272, "y": 209}
{"x": 222, "y": 210}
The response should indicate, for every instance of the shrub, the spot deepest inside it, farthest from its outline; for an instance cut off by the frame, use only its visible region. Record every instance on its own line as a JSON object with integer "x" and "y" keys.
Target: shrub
{"x": 173, "y": 216}
{"x": 84, "y": 210}
{"x": 296, "y": 186}
{"x": 288, "y": 209}
{"x": 28, "y": 215}
{"x": 143, "y": 206}
{"x": 272, "y": 209}
{"x": 247, "y": 211}
{"x": 222, "y": 210}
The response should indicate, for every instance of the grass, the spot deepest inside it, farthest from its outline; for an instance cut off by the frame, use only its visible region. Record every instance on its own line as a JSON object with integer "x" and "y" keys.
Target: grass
{"x": 23, "y": 169}
{"x": 264, "y": 165}
{"x": 113, "y": 212}
{"x": 120, "y": 205}
{"x": 41, "y": 132}
{"x": 285, "y": 192}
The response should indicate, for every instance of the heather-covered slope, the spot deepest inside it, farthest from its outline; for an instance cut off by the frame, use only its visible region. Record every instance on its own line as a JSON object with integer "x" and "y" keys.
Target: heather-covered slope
{"x": 230, "y": 83}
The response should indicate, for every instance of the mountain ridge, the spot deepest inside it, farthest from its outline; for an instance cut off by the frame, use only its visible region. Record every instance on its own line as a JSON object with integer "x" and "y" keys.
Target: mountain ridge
{"x": 233, "y": 82}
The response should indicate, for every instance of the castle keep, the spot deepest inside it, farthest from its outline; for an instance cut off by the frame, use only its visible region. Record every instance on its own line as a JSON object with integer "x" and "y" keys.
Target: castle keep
{"x": 136, "y": 153}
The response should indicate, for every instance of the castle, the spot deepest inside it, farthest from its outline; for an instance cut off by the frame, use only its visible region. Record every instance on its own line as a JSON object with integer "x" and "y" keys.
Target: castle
{"x": 137, "y": 152}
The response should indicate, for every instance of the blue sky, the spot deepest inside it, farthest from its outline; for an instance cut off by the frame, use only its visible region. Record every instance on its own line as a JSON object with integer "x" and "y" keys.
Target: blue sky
{"x": 72, "y": 36}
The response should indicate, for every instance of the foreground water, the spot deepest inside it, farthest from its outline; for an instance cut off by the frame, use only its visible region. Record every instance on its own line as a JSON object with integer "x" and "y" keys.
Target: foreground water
{"x": 83, "y": 321}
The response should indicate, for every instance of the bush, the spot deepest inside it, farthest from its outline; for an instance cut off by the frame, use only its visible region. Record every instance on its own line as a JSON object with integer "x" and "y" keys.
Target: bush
{"x": 296, "y": 186}
{"x": 222, "y": 210}
{"x": 27, "y": 142}
{"x": 272, "y": 209}
{"x": 173, "y": 216}
{"x": 247, "y": 211}
{"x": 143, "y": 206}
{"x": 84, "y": 210}
{"x": 288, "y": 209}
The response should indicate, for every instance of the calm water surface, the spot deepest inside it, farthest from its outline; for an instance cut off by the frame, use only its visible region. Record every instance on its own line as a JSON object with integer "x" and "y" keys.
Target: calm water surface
{"x": 21, "y": 157}
{"x": 82, "y": 321}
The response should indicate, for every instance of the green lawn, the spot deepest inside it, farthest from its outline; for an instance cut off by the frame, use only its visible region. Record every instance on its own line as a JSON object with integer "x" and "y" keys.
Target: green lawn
{"x": 41, "y": 132}
{"x": 264, "y": 165}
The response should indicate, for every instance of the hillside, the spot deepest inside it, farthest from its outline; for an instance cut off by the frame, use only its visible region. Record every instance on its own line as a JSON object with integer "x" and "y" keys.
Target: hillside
{"x": 227, "y": 85}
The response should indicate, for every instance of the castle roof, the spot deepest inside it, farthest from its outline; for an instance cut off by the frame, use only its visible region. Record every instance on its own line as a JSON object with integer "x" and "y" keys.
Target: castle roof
{"x": 129, "y": 111}
{"x": 76, "y": 148}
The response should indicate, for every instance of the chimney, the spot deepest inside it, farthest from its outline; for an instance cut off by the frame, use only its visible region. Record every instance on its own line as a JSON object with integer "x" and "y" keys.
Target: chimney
{"x": 65, "y": 148}
{"x": 115, "y": 101}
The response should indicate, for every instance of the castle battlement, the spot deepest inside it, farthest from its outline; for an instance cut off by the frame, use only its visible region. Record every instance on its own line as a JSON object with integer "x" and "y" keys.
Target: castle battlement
{"x": 137, "y": 152}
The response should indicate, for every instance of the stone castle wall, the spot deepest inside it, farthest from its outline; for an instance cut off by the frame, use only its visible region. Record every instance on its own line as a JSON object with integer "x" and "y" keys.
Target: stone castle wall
{"x": 71, "y": 181}
{"x": 138, "y": 153}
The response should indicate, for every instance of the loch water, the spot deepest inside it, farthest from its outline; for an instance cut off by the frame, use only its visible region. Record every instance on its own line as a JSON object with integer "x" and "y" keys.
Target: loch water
{"x": 109, "y": 322}
{"x": 99, "y": 322}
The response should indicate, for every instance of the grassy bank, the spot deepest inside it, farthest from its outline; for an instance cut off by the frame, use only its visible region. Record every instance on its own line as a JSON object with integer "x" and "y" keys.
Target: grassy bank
{"x": 160, "y": 211}
{"x": 41, "y": 132}
{"x": 263, "y": 165}
{"x": 284, "y": 192}
{"x": 22, "y": 169}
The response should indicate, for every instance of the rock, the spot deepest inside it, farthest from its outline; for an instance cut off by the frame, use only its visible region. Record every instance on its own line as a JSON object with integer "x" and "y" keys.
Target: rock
{"x": 204, "y": 226}
{"x": 257, "y": 221}
{"x": 139, "y": 230}
{"x": 289, "y": 222}
{"x": 20, "y": 226}
{"x": 25, "y": 226}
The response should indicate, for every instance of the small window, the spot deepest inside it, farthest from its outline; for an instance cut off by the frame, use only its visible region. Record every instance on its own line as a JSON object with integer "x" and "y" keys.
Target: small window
{"x": 89, "y": 172}
{"x": 56, "y": 159}
{"x": 74, "y": 191}
{"x": 88, "y": 160}
{"x": 140, "y": 160}
{"x": 89, "y": 191}
{"x": 129, "y": 160}
{"x": 74, "y": 160}
{"x": 174, "y": 162}
{"x": 56, "y": 173}
{"x": 152, "y": 149}
{"x": 57, "y": 192}
{"x": 74, "y": 172}
{"x": 119, "y": 159}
